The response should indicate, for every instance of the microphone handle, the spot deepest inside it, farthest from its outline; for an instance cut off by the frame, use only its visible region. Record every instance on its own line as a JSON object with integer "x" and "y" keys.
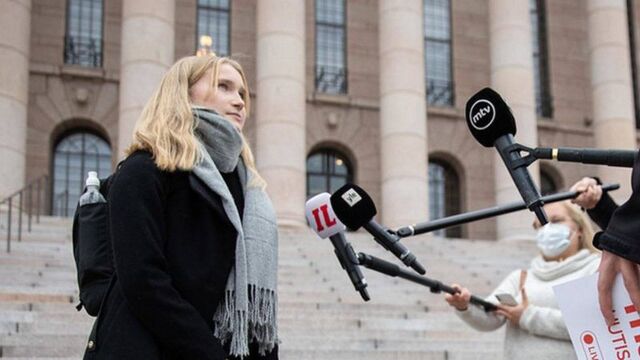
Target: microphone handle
{"x": 349, "y": 262}
{"x": 392, "y": 243}
{"x": 517, "y": 169}
{"x": 619, "y": 158}
{"x": 393, "y": 270}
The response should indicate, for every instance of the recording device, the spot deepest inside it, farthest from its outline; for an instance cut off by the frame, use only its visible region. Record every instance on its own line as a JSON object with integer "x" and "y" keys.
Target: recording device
{"x": 492, "y": 124}
{"x": 506, "y": 299}
{"x": 324, "y": 222}
{"x": 354, "y": 207}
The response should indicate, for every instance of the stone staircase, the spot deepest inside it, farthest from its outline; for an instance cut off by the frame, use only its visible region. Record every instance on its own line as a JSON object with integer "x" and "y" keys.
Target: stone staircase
{"x": 320, "y": 315}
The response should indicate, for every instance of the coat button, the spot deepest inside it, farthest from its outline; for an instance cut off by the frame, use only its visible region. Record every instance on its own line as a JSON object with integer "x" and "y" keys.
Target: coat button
{"x": 91, "y": 345}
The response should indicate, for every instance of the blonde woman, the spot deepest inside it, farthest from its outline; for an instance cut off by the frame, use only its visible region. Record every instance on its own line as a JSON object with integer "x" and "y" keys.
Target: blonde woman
{"x": 535, "y": 328}
{"x": 194, "y": 233}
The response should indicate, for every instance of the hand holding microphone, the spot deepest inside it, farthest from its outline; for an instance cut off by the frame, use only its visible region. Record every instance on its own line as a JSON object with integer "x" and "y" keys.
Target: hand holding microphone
{"x": 590, "y": 193}
{"x": 324, "y": 222}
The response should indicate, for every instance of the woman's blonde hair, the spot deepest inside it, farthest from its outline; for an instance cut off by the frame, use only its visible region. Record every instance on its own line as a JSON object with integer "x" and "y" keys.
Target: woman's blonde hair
{"x": 583, "y": 222}
{"x": 166, "y": 126}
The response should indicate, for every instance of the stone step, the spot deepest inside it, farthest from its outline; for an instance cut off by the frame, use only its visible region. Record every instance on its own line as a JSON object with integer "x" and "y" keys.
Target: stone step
{"x": 286, "y": 354}
{"x": 40, "y": 352}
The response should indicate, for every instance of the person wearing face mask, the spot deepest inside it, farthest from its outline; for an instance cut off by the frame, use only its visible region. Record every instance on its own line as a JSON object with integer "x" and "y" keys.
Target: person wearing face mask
{"x": 193, "y": 232}
{"x": 535, "y": 328}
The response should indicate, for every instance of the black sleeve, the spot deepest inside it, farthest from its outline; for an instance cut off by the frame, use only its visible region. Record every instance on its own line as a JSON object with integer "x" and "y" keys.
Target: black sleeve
{"x": 622, "y": 234}
{"x": 603, "y": 211}
{"x": 137, "y": 225}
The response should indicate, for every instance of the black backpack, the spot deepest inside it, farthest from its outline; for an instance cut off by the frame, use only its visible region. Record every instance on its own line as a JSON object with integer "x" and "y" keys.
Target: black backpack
{"x": 92, "y": 251}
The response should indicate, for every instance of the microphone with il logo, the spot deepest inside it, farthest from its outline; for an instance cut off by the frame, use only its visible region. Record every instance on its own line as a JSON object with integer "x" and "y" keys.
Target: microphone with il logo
{"x": 324, "y": 222}
{"x": 492, "y": 124}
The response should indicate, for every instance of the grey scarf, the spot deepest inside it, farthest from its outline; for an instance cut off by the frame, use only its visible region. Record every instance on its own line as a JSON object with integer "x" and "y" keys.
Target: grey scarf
{"x": 248, "y": 311}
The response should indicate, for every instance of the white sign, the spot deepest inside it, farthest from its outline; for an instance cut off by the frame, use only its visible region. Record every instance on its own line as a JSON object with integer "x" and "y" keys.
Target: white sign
{"x": 591, "y": 337}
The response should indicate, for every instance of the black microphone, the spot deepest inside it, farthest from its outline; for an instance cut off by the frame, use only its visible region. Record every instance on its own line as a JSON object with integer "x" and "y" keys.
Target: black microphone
{"x": 492, "y": 124}
{"x": 621, "y": 158}
{"x": 354, "y": 207}
{"x": 323, "y": 221}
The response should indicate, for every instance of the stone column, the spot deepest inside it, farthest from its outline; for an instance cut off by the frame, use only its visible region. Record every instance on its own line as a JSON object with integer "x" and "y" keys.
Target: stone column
{"x": 147, "y": 52}
{"x": 403, "y": 115}
{"x": 611, "y": 86}
{"x": 512, "y": 77}
{"x": 280, "y": 106}
{"x": 15, "y": 18}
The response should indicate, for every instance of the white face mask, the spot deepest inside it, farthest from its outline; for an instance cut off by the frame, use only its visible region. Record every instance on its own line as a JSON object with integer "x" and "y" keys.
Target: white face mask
{"x": 553, "y": 239}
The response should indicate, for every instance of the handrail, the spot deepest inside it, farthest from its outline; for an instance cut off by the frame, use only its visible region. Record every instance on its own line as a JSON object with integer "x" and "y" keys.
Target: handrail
{"x": 20, "y": 194}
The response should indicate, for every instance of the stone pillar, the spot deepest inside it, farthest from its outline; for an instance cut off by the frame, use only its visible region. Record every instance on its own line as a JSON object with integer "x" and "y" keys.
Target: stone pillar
{"x": 147, "y": 52}
{"x": 611, "y": 86}
{"x": 403, "y": 115}
{"x": 280, "y": 106}
{"x": 512, "y": 77}
{"x": 15, "y": 18}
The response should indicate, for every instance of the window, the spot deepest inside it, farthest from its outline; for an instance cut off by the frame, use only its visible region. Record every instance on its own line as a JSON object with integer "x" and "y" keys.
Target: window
{"x": 213, "y": 21}
{"x": 547, "y": 184}
{"x": 74, "y": 156}
{"x": 444, "y": 195}
{"x": 331, "y": 68}
{"x": 540, "y": 58}
{"x": 634, "y": 60}
{"x": 327, "y": 170}
{"x": 437, "y": 52}
{"x": 83, "y": 41}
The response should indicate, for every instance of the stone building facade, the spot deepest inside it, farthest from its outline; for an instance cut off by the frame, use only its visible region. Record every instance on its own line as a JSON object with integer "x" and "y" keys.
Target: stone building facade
{"x": 383, "y": 126}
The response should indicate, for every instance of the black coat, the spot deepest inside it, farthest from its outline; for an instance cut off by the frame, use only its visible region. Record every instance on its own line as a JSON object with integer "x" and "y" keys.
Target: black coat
{"x": 173, "y": 250}
{"x": 621, "y": 225}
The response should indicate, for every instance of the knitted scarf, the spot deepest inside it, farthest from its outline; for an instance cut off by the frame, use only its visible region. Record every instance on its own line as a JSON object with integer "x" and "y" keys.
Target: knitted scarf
{"x": 248, "y": 311}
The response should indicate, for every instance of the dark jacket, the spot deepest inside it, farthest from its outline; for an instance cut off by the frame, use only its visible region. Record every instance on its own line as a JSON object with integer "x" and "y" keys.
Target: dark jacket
{"x": 621, "y": 234}
{"x": 173, "y": 250}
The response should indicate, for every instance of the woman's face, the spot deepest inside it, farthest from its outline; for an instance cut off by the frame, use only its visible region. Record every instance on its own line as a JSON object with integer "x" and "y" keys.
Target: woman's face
{"x": 558, "y": 214}
{"x": 227, "y": 99}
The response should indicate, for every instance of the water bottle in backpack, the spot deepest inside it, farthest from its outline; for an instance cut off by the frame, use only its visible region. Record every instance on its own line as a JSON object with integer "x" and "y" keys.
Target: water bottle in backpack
{"x": 92, "y": 195}
{"x": 92, "y": 244}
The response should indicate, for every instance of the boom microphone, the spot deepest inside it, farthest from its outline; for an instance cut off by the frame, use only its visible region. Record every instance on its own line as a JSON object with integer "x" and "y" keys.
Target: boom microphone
{"x": 323, "y": 221}
{"x": 621, "y": 158}
{"x": 354, "y": 208}
{"x": 492, "y": 124}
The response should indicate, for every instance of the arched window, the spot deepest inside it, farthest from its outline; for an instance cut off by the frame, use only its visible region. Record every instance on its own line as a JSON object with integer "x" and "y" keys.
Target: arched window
{"x": 444, "y": 195}
{"x": 547, "y": 183}
{"x": 74, "y": 156}
{"x": 327, "y": 170}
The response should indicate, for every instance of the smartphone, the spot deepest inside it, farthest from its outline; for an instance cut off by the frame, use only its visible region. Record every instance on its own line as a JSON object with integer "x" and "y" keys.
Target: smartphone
{"x": 506, "y": 299}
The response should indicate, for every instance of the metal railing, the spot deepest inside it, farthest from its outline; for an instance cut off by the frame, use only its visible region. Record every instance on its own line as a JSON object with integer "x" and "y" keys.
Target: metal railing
{"x": 17, "y": 201}
{"x": 83, "y": 50}
{"x": 439, "y": 92}
{"x": 331, "y": 79}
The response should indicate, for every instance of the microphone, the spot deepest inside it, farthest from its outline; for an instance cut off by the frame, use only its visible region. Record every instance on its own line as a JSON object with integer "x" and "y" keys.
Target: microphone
{"x": 492, "y": 124}
{"x": 621, "y": 158}
{"x": 354, "y": 207}
{"x": 324, "y": 222}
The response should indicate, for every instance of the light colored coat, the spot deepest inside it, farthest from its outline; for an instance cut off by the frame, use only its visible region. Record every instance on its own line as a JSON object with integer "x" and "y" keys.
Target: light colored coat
{"x": 541, "y": 333}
